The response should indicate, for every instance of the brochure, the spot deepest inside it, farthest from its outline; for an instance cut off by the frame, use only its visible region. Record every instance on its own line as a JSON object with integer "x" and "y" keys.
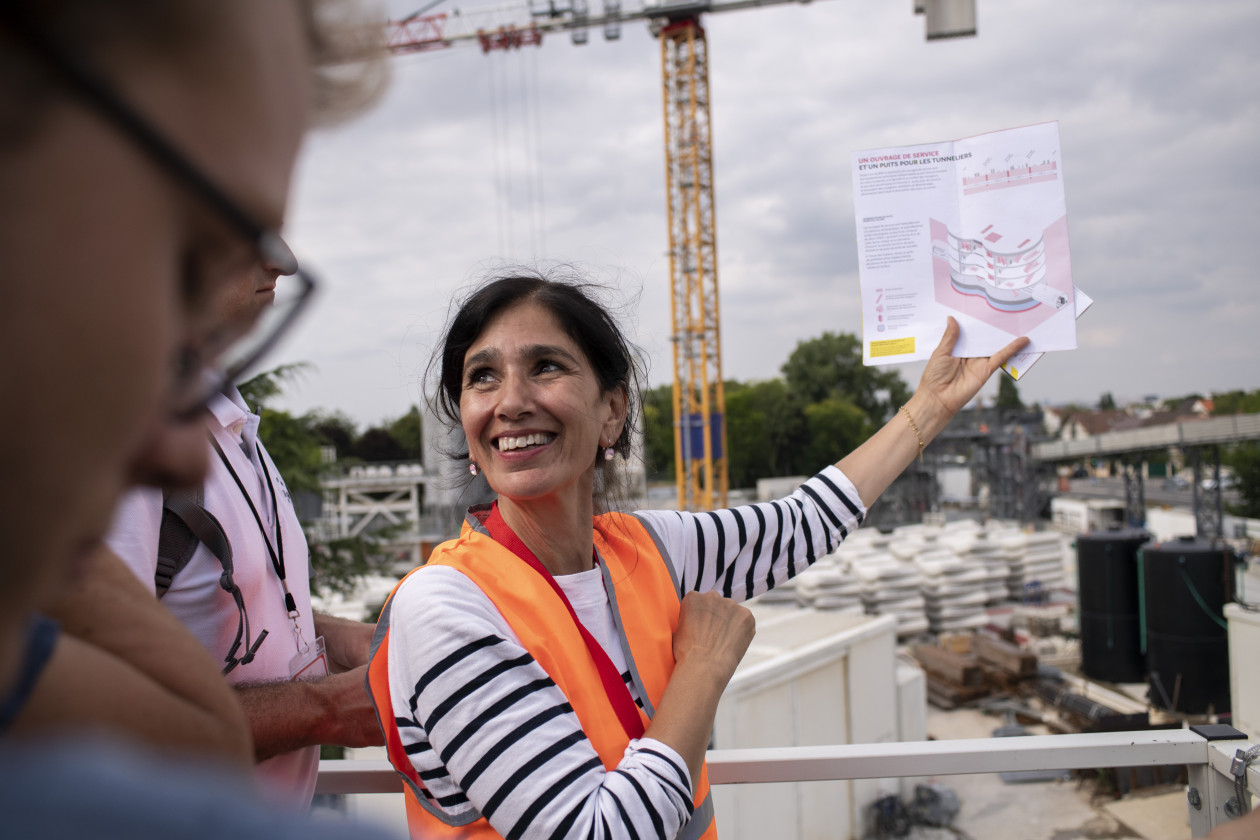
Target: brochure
{"x": 974, "y": 228}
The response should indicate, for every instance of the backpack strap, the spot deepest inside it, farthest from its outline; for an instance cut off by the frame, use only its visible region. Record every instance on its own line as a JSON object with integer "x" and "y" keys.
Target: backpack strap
{"x": 185, "y": 523}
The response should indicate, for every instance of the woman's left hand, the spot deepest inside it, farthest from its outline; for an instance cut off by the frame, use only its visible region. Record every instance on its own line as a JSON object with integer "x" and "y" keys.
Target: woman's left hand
{"x": 952, "y": 381}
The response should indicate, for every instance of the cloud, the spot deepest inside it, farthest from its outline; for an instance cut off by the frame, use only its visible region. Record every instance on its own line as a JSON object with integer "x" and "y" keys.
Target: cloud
{"x": 557, "y": 153}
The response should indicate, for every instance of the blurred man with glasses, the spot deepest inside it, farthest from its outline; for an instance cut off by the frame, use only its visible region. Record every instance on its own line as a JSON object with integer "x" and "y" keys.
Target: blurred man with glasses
{"x": 146, "y": 149}
{"x": 299, "y": 674}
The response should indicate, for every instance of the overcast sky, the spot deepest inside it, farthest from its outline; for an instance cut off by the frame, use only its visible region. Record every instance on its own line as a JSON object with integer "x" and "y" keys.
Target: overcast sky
{"x": 555, "y": 153}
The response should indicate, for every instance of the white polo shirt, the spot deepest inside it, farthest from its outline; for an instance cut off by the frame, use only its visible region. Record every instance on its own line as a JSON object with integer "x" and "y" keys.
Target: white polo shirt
{"x": 195, "y": 596}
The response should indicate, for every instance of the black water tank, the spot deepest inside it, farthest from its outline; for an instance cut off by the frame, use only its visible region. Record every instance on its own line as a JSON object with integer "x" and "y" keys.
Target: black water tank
{"x": 1108, "y": 592}
{"x": 1185, "y": 586}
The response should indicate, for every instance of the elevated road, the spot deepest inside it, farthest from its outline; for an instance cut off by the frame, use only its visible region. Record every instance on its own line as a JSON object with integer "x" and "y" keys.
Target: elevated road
{"x": 1196, "y": 438}
{"x": 1213, "y": 432}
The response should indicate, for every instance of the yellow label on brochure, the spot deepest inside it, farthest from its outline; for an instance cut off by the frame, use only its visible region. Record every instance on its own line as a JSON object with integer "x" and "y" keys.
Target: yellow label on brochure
{"x": 1014, "y": 371}
{"x": 892, "y": 347}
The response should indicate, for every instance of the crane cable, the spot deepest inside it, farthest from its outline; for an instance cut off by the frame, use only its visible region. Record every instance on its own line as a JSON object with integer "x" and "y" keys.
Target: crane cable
{"x": 517, "y": 132}
{"x": 502, "y": 166}
{"x": 502, "y": 147}
{"x": 537, "y": 205}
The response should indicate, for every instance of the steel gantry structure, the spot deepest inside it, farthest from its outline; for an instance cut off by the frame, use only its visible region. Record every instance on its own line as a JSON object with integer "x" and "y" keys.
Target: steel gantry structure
{"x": 700, "y": 455}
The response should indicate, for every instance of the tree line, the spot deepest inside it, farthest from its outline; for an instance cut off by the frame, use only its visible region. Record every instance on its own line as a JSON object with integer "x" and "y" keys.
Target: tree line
{"x": 303, "y": 445}
{"x": 824, "y": 404}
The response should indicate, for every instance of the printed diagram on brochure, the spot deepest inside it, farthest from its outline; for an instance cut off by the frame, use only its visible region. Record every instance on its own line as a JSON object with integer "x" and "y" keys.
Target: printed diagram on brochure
{"x": 1010, "y": 277}
{"x": 1002, "y": 276}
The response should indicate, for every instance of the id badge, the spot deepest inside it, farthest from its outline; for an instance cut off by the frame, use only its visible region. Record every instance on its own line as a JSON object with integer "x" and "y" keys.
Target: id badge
{"x": 311, "y": 664}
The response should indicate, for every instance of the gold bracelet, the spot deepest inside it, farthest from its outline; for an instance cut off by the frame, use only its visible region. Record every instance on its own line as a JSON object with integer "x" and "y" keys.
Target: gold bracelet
{"x": 917, "y": 434}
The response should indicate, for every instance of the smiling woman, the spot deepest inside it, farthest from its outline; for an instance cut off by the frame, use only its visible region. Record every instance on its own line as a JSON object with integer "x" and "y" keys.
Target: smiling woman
{"x": 535, "y": 417}
{"x": 553, "y": 672}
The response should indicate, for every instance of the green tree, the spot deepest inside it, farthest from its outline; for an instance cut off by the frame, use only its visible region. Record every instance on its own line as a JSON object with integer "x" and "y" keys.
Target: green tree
{"x": 1107, "y": 402}
{"x": 765, "y": 431}
{"x": 831, "y": 366}
{"x": 658, "y": 433}
{"x": 747, "y": 435}
{"x": 294, "y": 446}
{"x": 378, "y": 444}
{"x": 336, "y": 430}
{"x": 1236, "y": 402}
{"x": 338, "y": 564}
{"x": 836, "y": 427}
{"x": 291, "y": 441}
{"x": 1008, "y": 394}
{"x": 408, "y": 431}
{"x": 748, "y": 452}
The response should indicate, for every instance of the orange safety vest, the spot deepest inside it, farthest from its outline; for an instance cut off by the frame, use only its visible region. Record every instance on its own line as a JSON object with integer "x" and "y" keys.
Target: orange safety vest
{"x": 645, "y": 605}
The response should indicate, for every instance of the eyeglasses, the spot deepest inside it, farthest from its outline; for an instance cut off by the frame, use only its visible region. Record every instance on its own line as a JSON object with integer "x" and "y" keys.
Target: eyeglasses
{"x": 225, "y": 349}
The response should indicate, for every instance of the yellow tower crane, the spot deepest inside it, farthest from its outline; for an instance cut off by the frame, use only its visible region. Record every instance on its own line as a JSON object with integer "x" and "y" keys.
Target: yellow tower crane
{"x": 699, "y": 401}
{"x": 700, "y": 457}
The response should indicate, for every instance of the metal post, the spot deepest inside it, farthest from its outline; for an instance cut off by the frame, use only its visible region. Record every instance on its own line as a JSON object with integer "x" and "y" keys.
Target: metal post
{"x": 1134, "y": 494}
{"x": 1208, "y": 506}
{"x": 1211, "y": 792}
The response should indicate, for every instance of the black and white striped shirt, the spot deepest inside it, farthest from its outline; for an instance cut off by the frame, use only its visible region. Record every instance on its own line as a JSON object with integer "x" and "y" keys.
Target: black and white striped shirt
{"x": 486, "y": 728}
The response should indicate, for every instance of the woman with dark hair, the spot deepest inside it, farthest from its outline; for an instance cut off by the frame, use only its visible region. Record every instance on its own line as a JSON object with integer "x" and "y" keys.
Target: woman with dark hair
{"x": 553, "y": 672}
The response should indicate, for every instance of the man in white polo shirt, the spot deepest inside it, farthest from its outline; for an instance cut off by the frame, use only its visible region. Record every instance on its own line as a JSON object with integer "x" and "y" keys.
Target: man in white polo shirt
{"x": 299, "y": 674}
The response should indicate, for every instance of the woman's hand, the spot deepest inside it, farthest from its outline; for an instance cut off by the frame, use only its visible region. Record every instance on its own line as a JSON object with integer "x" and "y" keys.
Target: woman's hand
{"x": 952, "y": 382}
{"x": 714, "y": 631}
{"x": 712, "y": 635}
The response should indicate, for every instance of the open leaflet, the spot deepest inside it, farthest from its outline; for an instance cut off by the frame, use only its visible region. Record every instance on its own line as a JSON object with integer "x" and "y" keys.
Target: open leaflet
{"x": 974, "y": 228}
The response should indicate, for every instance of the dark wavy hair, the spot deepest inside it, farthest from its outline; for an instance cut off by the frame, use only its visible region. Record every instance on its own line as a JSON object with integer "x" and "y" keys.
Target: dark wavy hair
{"x": 572, "y": 302}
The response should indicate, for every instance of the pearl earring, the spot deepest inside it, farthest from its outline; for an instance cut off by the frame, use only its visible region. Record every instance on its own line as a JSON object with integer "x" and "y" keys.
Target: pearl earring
{"x": 608, "y": 454}
{"x": 472, "y": 467}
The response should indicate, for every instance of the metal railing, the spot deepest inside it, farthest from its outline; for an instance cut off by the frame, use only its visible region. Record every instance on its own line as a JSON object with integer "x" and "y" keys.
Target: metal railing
{"x": 1209, "y": 754}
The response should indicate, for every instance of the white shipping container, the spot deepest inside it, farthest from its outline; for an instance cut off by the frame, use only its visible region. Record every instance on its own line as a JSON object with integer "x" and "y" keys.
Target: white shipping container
{"x": 811, "y": 678}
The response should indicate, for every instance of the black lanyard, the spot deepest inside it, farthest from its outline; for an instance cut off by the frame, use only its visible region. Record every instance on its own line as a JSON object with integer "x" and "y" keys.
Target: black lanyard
{"x": 277, "y": 552}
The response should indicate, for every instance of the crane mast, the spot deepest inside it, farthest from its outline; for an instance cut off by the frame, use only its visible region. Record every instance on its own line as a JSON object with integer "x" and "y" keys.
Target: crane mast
{"x": 700, "y": 456}
{"x": 700, "y": 465}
